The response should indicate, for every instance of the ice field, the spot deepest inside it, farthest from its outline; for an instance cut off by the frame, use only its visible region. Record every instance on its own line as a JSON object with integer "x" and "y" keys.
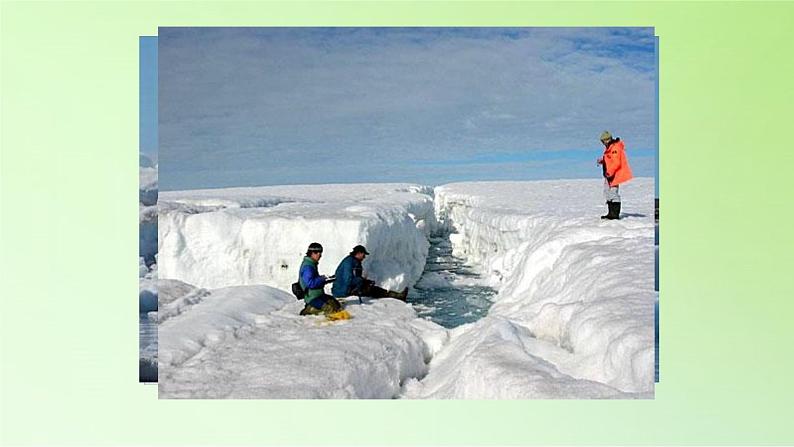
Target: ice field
{"x": 572, "y": 313}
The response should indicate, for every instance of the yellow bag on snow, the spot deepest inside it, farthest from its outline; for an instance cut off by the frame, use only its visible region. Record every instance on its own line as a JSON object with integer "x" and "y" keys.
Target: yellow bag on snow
{"x": 340, "y": 315}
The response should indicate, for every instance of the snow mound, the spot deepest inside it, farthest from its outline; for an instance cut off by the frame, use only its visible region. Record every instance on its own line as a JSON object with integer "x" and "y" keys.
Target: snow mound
{"x": 250, "y": 342}
{"x": 248, "y": 236}
{"x": 575, "y": 299}
{"x": 497, "y": 359}
{"x": 221, "y": 315}
{"x": 174, "y": 297}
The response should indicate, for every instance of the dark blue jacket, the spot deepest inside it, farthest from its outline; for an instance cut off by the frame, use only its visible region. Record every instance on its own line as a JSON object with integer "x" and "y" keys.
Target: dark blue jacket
{"x": 348, "y": 277}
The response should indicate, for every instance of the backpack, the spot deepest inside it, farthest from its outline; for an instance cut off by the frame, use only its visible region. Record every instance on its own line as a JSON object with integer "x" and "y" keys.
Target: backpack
{"x": 298, "y": 291}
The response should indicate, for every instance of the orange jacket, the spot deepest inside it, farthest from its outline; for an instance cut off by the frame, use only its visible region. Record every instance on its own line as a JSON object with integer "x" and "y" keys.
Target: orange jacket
{"x": 616, "y": 165}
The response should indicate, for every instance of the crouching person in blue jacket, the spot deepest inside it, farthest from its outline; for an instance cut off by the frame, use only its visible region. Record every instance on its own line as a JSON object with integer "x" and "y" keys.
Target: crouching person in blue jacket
{"x": 350, "y": 280}
{"x": 317, "y": 301}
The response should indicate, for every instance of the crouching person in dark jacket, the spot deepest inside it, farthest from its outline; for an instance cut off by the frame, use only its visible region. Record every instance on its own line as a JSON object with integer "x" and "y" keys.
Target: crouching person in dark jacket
{"x": 350, "y": 280}
{"x": 317, "y": 301}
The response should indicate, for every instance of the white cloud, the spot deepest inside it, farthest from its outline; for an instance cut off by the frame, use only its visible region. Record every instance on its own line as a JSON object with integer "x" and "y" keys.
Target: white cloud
{"x": 280, "y": 100}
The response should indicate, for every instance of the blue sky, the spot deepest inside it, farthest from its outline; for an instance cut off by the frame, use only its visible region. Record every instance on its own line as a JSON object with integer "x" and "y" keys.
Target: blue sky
{"x": 148, "y": 96}
{"x": 265, "y": 106}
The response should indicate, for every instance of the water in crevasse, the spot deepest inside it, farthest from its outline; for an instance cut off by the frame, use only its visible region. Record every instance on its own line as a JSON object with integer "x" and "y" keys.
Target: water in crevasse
{"x": 449, "y": 292}
{"x": 147, "y": 331}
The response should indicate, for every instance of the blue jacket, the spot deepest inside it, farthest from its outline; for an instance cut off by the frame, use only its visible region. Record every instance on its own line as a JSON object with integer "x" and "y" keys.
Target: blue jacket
{"x": 310, "y": 279}
{"x": 348, "y": 277}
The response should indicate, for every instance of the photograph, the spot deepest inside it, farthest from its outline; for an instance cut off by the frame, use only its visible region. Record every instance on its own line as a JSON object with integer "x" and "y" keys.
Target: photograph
{"x": 147, "y": 212}
{"x": 399, "y": 213}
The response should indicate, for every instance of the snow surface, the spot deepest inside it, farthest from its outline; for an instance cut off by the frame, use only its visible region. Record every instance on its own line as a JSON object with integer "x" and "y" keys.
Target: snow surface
{"x": 250, "y": 342}
{"x": 573, "y": 317}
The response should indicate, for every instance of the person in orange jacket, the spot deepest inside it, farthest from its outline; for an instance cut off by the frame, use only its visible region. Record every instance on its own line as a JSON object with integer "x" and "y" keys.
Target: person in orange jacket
{"x": 616, "y": 170}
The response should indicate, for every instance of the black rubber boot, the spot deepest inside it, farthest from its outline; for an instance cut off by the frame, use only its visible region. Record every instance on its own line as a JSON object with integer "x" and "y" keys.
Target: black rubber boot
{"x": 609, "y": 212}
{"x": 614, "y": 211}
{"x": 376, "y": 292}
{"x": 402, "y": 296}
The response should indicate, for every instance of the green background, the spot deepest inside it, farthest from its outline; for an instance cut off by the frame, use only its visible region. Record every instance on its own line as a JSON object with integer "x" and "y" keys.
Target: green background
{"x": 69, "y": 235}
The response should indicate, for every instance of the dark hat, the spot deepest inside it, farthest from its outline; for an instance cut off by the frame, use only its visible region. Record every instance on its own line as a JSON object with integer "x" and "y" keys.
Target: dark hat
{"x": 314, "y": 247}
{"x": 359, "y": 249}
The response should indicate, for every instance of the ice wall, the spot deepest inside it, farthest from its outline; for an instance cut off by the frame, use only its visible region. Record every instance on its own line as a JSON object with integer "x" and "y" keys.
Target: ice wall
{"x": 574, "y": 312}
{"x": 247, "y": 236}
